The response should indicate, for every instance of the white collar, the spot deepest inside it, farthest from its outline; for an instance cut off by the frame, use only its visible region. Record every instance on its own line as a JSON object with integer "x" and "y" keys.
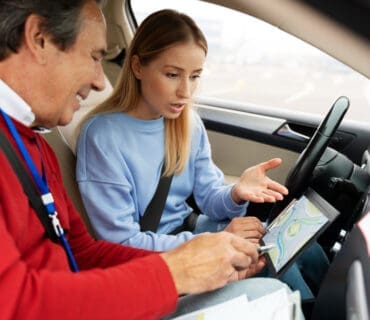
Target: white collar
{"x": 15, "y": 106}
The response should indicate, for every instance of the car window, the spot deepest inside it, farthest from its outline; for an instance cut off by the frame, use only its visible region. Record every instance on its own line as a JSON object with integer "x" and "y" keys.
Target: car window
{"x": 252, "y": 62}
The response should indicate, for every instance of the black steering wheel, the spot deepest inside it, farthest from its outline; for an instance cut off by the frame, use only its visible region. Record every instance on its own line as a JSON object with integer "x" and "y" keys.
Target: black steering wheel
{"x": 299, "y": 175}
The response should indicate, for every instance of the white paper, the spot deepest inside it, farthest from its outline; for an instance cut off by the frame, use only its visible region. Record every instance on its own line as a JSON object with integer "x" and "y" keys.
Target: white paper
{"x": 274, "y": 306}
{"x": 233, "y": 309}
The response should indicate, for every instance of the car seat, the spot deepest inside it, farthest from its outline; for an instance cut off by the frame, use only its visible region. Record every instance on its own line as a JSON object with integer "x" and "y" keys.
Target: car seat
{"x": 345, "y": 291}
{"x": 63, "y": 141}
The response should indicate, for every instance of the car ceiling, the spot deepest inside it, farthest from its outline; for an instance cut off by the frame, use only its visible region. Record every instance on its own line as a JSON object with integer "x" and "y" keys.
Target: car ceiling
{"x": 353, "y": 14}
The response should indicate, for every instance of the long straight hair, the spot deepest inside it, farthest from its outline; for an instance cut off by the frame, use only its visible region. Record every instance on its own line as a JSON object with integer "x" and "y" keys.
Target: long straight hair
{"x": 158, "y": 32}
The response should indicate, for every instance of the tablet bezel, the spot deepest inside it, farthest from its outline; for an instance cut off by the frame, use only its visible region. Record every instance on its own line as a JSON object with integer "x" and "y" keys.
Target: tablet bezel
{"x": 325, "y": 207}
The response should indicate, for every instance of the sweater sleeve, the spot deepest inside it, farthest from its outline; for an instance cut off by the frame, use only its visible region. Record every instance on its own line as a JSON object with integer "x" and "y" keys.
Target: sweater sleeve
{"x": 211, "y": 194}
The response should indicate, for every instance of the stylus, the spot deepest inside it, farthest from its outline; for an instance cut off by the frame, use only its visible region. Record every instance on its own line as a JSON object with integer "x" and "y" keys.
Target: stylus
{"x": 265, "y": 248}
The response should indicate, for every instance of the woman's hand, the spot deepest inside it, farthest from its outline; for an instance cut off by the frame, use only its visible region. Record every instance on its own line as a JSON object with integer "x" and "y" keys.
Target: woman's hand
{"x": 246, "y": 227}
{"x": 255, "y": 186}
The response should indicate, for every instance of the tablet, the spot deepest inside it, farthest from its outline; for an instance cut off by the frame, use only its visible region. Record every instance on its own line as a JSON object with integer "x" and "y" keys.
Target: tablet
{"x": 296, "y": 227}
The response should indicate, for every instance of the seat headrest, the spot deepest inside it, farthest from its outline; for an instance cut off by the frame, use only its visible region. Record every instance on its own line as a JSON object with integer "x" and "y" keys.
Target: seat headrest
{"x": 70, "y": 132}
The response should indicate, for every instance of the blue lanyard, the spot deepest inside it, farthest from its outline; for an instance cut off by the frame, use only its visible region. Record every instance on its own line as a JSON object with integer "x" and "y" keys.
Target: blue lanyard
{"x": 46, "y": 196}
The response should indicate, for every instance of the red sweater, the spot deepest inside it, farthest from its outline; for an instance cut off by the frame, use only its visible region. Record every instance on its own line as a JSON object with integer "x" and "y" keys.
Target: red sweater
{"x": 115, "y": 282}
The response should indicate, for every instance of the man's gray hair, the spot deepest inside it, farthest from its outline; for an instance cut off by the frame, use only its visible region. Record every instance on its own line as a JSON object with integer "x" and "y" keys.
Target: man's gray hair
{"x": 60, "y": 18}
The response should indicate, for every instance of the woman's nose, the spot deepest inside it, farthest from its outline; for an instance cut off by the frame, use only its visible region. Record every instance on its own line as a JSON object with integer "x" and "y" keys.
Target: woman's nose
{"x": 184, "y": 89}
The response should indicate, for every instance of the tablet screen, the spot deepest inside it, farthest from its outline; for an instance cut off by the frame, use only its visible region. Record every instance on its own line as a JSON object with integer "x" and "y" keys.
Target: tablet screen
{"x": 296, "y": 226}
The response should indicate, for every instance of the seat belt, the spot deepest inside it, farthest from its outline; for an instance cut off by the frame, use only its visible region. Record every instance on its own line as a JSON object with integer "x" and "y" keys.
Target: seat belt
{"x": 28, "y": 187}
{"x": 152, "y": 215}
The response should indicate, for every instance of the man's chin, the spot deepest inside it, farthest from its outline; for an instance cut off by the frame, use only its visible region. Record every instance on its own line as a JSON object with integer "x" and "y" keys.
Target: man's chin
{"x": 65, "y": 120}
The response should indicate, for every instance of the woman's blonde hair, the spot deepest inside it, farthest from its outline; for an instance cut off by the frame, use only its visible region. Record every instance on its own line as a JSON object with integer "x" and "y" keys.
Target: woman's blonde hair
{"x": 158, "y": 32}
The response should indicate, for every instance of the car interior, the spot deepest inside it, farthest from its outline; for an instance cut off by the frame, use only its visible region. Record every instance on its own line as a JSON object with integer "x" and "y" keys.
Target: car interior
{"x": 329, "y": 154}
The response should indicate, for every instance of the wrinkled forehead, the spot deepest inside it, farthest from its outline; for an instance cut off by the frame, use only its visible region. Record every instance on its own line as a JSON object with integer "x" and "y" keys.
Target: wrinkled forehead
{"x": 93, "y": 27}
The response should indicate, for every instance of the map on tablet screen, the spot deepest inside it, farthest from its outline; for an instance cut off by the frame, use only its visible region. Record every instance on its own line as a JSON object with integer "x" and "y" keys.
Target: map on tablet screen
{"x": 295, "y": 227}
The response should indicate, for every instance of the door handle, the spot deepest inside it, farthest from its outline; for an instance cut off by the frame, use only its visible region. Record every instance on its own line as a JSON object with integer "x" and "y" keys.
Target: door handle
{"x": 288, "y": 132}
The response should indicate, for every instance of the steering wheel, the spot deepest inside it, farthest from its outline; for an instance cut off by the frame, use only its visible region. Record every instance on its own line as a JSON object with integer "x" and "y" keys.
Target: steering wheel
{"x": 299, "y": 175}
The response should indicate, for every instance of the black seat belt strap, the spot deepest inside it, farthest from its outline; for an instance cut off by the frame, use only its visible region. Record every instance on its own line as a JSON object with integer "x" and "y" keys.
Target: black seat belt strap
{"x": 152, "y": 215}
{"x": 28, "y": 186}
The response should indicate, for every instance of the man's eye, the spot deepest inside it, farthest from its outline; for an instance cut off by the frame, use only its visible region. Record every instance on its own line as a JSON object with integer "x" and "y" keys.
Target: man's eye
{"x": 195, "y": 77}
{"x": 97, "y": 59}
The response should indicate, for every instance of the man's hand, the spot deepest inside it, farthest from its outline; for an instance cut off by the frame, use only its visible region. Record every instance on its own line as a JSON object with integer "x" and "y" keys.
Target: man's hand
{"x": 210, "y": 261}
{"x": 246, "y": 227}
{"x": 253, "y": 268}
{"x": 255, "y": 186}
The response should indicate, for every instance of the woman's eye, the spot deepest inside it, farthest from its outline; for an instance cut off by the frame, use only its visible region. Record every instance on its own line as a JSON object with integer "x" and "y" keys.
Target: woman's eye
{"x": 195, "y": 76}
{"x": 171, "y": 75}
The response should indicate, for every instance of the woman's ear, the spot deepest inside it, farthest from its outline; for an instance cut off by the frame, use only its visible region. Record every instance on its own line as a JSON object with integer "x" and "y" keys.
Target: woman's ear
{"x": 34, "y": 38}
{"x": 136, "y": 67}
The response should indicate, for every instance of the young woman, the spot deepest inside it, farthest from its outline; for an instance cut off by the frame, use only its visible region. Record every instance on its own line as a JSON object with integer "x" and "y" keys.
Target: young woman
{"x": 147, "y": 124}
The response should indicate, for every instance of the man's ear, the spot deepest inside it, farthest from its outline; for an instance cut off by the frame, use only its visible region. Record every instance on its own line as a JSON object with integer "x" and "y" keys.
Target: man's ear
{"x": 136, "y": 66}
{"x": 35, "y": 38}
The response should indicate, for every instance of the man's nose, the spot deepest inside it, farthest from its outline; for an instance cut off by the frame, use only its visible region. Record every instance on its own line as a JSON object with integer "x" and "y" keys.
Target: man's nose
{"x": 99, "y": 80}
